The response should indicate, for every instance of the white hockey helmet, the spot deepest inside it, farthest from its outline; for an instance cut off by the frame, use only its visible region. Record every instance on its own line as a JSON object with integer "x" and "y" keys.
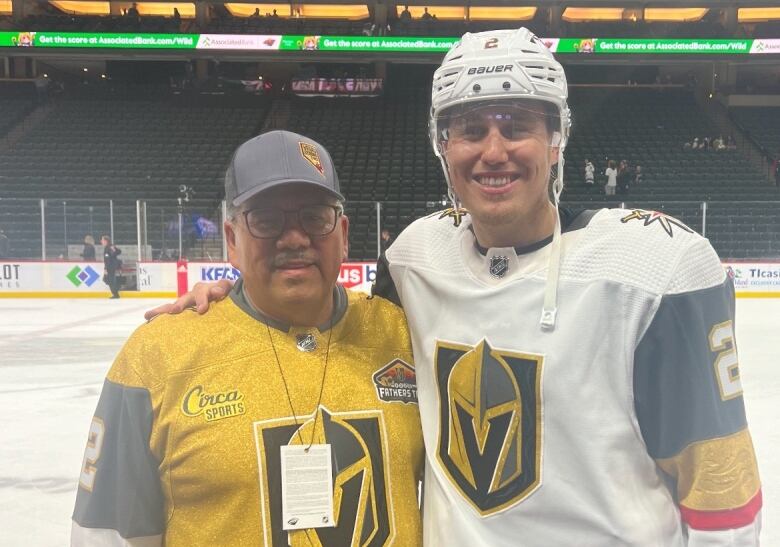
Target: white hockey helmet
{"x": 499, "y": 65}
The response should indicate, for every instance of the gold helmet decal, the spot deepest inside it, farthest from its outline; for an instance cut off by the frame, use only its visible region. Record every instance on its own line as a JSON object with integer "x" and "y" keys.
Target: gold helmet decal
{"x": 490, "y": 423}
{"x": 354, "y": 495}
{"x": 483, "y": 392}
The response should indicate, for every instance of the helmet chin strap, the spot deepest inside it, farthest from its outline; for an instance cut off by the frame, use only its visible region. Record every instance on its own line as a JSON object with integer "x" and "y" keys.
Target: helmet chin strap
{"x": 450, "y": 191}
{"x": 550, "y": 307}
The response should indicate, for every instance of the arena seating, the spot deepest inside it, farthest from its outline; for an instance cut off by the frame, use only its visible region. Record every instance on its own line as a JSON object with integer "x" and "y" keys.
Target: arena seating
{"x": 279, "y": 25}
{"x": 763, "y": 123}
{"x": 86, "y": 152}
{"x": 99, "y": 23}
{"x": 381, "y": 149}
{"x": 16, "y": 101}
{"x": 648, "y": 127}
{"x": 144, "y": 148}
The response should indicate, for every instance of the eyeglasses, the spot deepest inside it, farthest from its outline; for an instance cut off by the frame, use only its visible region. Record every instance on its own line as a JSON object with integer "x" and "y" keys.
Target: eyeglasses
{"x": 315, "y": 220}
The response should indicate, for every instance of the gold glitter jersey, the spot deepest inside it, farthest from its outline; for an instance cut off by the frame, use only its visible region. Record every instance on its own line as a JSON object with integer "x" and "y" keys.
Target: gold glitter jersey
{"x": 184, "y": 448}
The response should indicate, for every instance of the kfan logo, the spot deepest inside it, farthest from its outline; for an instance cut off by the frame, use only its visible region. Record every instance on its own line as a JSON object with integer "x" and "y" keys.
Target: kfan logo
{"x": 220, "y": 272}
{"x": 82, "y": 276}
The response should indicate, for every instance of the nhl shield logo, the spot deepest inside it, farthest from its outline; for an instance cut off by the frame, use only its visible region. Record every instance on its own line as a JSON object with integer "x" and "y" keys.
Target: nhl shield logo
{"x": 499, "y": 265}
{"x": 306, "y": 342}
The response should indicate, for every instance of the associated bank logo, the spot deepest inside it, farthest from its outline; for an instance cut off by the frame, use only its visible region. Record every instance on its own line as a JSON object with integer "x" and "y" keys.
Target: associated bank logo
{"x": 82, "y": 276}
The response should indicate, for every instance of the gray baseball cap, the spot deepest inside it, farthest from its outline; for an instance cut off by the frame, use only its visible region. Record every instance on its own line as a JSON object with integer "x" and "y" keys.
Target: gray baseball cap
{"x": 276, "y": 158}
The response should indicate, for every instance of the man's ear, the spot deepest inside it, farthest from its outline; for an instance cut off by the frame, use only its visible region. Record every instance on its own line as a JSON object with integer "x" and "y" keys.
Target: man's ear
{"x": 230, "y": 238}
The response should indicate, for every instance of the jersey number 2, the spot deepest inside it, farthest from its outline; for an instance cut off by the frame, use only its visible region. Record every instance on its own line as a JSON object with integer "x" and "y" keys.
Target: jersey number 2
{"x": 726, "y": 363}
{"x": 92, "y": 454}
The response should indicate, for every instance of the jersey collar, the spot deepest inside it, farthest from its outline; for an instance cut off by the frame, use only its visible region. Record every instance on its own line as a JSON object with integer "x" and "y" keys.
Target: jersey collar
{"x": 239, "y": 297}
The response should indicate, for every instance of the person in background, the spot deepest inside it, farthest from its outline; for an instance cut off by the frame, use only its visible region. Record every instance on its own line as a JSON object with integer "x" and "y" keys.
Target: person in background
{"x": 611, "y": 174}
{"x": 590, "y": 172}
{"x": 88, "y": 252}
{"x": 624, "y": 176}
{"x": 112, "y": 265}
{"x": 385, "y": 240}
{"x": 639, "y": 176}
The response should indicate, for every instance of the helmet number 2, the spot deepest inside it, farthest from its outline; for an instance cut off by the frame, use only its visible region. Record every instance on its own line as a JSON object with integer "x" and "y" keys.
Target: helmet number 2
{"x": 492, "y": 43}
{"x": 92, "y": 453}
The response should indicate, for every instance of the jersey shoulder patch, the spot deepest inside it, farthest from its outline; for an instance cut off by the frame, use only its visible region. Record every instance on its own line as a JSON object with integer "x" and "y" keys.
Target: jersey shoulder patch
{"x": 453, "y": 214}
{"x": 656, "y": 220}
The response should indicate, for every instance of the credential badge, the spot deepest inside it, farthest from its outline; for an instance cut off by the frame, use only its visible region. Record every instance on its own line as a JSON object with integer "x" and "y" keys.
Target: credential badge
{"x": 499, "y": 265}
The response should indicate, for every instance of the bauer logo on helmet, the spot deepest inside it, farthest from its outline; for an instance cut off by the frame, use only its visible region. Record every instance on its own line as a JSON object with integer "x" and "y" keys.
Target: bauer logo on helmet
{"x": 489, "y": 69}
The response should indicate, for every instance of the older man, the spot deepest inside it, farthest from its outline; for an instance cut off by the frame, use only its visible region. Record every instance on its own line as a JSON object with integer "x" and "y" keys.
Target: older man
{"x": 291, "y": 427}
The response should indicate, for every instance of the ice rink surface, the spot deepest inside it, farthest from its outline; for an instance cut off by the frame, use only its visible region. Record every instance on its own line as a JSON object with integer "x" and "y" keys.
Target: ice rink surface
{"x": 55, "y": 353}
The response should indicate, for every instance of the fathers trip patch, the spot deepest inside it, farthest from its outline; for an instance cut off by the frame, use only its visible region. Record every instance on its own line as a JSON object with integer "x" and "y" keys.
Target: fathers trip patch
{"x": 396, "y": 382}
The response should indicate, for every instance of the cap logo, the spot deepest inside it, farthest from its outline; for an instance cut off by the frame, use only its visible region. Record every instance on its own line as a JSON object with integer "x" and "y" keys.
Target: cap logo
{"x": 309, "y": 152}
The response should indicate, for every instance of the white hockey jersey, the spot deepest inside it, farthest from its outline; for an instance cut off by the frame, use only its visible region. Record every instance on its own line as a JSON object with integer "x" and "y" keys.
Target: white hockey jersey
{"x": 624, "y": 425}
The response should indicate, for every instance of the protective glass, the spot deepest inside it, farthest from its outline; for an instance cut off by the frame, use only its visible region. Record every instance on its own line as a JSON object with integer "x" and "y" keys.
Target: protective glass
{"x": 315, "y": 220}
{"x": 516, "y": 121}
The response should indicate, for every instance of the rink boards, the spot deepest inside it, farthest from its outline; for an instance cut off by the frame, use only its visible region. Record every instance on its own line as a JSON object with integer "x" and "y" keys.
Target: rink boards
{"x": 68, "y": 279}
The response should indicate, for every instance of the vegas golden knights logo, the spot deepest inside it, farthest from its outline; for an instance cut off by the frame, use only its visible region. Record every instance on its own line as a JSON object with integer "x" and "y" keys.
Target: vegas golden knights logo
{"x": 360, "y": 491}
{"x": 490, "y": 429}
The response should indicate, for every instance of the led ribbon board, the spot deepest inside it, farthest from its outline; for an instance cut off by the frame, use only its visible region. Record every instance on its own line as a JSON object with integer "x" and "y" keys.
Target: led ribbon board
{"x": 395, "y": 44}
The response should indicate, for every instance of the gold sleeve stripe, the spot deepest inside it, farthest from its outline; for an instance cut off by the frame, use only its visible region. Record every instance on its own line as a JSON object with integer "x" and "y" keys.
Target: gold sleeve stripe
{"x": 716, "y": 474}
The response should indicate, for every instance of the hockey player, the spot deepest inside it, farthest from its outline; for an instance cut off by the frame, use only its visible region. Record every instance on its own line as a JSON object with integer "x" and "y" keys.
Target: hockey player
{"x": 577, "y": 373}
{"x": 295, "y": 426}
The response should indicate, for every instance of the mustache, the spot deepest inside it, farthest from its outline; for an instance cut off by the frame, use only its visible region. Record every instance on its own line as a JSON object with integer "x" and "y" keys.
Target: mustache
{"x": 285, "y": 257}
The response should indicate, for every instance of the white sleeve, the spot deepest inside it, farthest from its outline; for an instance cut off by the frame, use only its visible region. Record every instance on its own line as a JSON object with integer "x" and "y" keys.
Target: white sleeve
{"x": 747, "y": 536}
